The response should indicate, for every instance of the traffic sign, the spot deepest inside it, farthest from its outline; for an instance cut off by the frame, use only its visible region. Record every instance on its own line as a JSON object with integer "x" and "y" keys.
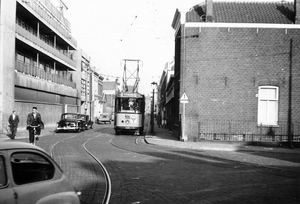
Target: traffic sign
{"x": 184, "y": 98}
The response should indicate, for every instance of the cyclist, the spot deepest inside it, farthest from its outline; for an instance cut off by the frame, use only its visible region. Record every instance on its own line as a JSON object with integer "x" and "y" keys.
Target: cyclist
{"x": 34, "y": 123}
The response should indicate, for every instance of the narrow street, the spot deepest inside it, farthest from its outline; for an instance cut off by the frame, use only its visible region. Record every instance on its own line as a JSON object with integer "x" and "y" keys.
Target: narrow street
{"x": 145, "y": 173}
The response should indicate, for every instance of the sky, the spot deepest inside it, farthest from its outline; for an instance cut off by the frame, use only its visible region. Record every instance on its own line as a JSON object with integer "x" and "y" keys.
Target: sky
{"x": 110, "y": 31}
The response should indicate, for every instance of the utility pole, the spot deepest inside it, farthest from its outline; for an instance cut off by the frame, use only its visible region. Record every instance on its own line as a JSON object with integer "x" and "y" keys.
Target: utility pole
{"x": 153, "y": 84}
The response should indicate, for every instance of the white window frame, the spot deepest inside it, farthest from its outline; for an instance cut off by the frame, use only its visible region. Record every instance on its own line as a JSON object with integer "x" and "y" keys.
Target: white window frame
{"x": 266, "y": 114}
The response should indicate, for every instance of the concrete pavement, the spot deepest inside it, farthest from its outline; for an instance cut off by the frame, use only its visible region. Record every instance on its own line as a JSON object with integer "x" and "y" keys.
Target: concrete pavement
{"x": 162, "y": 136}
{"x": 23, "y": 134}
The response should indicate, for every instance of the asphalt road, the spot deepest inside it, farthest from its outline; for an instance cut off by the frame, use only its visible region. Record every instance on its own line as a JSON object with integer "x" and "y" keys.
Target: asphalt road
{"x": 145, "y": 173}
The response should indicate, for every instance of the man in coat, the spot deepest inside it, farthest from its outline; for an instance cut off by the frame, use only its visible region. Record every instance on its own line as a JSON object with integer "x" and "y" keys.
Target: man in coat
{"x": 34, "y": 123}
{"x": 13, "y": 121}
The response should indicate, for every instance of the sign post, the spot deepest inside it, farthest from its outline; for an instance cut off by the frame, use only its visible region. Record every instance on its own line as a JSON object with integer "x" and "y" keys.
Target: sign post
{"x": 184, "y": 99}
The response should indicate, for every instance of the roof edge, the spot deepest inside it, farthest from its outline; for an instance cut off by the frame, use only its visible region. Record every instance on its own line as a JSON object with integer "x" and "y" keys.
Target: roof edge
{"x": 242, "y": 25}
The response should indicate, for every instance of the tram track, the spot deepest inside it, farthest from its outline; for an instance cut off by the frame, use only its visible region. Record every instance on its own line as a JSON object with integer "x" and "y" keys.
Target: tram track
{"x": 107, "y": 190}
{"x": 105, "y": 172}
{"x": 129, "y": 158}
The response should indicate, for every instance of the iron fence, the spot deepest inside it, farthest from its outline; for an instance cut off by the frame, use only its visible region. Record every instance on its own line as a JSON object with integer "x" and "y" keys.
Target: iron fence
{"x": 240, "y": 130}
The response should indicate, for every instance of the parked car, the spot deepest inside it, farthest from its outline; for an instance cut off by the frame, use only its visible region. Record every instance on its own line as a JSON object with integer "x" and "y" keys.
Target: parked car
{"x": 87, "y": 123}
{"x": 71, "y": 122}
{"x": 104, "y": 118}
{"x": 28, "y": 175}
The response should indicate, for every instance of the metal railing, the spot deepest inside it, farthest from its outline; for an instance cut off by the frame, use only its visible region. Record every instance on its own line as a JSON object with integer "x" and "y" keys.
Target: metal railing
{"x": 42, "y": 74}
{"x": 61, "y": 24}
{"x": 239, "y": 130}
{"x": 30, "y": 34}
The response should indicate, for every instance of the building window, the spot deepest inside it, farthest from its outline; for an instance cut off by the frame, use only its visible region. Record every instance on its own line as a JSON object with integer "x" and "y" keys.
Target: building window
{"x": 268, "y": 105}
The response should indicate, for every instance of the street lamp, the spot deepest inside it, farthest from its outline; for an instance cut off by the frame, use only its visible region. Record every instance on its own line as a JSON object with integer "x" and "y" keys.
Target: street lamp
{"x": 153, "y": 85}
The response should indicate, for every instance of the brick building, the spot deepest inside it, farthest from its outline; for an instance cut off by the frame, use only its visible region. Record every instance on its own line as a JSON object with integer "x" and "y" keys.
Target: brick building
{"x": 239, "y": 65}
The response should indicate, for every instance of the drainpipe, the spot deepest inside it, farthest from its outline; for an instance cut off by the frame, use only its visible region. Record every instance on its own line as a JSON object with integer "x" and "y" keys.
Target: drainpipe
{"x": 297, "y": 11}
{"x": 290, "y": 131}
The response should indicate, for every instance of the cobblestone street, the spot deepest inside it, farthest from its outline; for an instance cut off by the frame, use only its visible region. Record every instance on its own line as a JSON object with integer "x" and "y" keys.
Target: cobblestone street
{"x": 159, "y": 169}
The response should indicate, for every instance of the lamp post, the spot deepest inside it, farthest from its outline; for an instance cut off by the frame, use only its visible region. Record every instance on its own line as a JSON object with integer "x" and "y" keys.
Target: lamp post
{"x": 153, "y": 84}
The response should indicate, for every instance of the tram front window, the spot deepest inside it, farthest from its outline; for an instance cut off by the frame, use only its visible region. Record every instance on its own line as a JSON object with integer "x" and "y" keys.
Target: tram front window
{"x": 131, "y": 105}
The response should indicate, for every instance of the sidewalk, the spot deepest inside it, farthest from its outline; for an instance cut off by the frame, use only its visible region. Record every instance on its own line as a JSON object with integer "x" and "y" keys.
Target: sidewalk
{"x": 22, "y": 134}
{"x": 161, "y": 136}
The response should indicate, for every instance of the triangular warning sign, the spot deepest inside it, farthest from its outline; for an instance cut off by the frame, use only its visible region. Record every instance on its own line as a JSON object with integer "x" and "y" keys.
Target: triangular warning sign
{"x": 184, "y": 97}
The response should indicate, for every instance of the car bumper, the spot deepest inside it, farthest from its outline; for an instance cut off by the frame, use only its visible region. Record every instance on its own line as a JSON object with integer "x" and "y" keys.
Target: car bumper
{"x": 67, "y": 128}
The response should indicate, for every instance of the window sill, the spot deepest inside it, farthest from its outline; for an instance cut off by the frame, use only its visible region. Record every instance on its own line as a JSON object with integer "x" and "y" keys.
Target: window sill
{"x": 267, "y": 125}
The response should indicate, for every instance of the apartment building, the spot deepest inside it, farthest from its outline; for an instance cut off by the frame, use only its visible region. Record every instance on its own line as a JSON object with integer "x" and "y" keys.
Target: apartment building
{"x": 38, "y": 64}
{"x": 164, "y": 91}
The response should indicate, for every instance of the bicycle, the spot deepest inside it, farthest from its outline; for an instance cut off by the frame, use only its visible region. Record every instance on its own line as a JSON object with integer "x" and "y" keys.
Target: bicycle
{"x": 35, "y": 136}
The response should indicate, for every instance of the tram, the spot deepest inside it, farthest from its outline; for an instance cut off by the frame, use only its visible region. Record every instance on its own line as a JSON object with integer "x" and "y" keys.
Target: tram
{"x": 129, "y": 103}
{"x": 129, "y": 113}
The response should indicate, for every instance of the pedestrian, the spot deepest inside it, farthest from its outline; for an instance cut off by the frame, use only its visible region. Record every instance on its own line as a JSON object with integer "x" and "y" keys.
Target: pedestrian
{"x": 164, "y": 122}
{"x": 170, "y": 124}
{"x": 34, "y": 125}
{"x": 158, "y": 120}
{"x": 13, "y": 121}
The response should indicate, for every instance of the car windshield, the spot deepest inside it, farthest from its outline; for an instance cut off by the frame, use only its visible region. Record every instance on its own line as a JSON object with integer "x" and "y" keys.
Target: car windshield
{"x": 84, "y": 118}
{"x": 103, "y": 115}
{"x": 69, "y": 116}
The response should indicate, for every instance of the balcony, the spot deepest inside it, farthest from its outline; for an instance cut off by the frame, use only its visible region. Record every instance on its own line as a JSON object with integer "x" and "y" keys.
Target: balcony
{"x": 41, "y": 74}
{"x": 31, "y": 35}
{"x": 55, "y": 18}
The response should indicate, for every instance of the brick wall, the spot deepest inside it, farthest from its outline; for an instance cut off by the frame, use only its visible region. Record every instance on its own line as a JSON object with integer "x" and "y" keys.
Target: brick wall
{"x": 224, "y": 67}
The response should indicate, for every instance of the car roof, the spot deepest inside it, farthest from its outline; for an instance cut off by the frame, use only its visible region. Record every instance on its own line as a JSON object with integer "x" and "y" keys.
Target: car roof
{"x": 17, "y": 145}
{"x": 70, "y": 114}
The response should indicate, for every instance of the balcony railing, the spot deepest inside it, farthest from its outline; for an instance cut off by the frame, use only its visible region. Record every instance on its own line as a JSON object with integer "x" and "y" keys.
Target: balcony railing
{"x": 30, "y": 34}
{"x": 49, "y": 19}
{"x": 230, "y": 130}
{"x": 42, "y": 74}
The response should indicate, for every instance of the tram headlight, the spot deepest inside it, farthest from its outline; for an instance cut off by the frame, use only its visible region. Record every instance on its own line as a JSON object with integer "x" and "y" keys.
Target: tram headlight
{"x": 127, "y": 121}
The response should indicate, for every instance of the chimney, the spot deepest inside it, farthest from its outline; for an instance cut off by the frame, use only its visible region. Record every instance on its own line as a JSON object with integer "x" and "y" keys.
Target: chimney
{"x": 297, "y": 11}
{"x": 209, "y": 10}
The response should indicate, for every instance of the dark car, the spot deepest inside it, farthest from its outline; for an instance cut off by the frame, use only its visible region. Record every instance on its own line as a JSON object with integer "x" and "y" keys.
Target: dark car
{"x": 29, "y": 175}
{"x": 87, "y": 123}
{"x": 71, "y": 122}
